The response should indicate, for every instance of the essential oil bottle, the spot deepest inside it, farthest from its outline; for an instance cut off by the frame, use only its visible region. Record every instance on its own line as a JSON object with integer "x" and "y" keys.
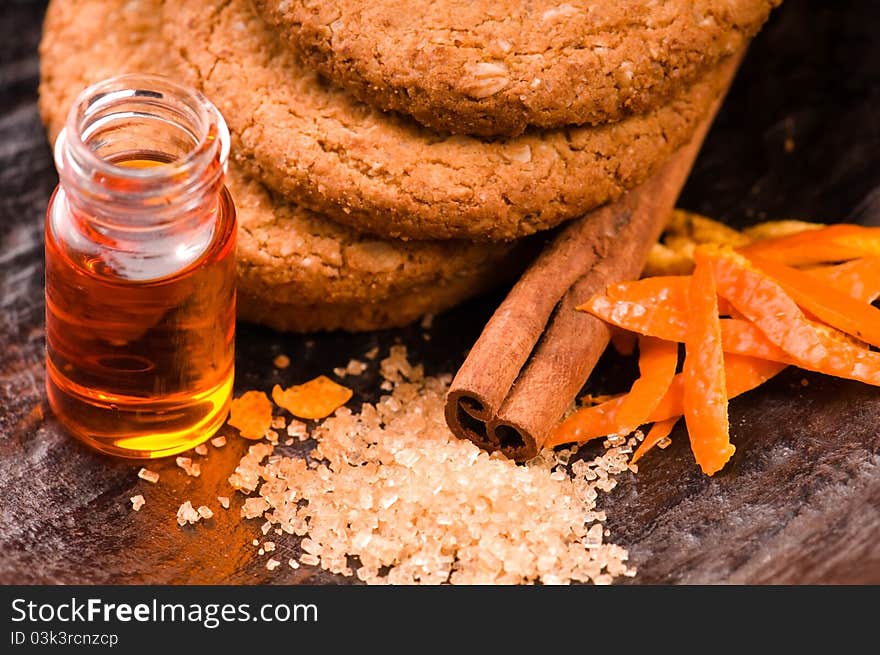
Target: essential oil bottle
{"x": 140, "y": 269}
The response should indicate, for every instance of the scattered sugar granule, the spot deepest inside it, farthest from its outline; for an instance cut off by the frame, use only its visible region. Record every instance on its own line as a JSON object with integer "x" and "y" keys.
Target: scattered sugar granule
{"x": 256, "y": 542}
{"x": 218, "y": 442}
{"x": 340, "y": 372}
{"x": 281, "y": 361}
{"x": 427, "y": 321}
{"x": 278, "y": 422}
{"x": 292, "y": 563}
{"x": 269, "y": 546}
{"x": 355, "y": 367}
{"x": 205, "y": 512}
{"x": 246, "y": 476}
{"x": 664, "y": 443}
{"x": 187, "y": 514}
{"x": 201, "y": 449}
{"x": 191, "y": 468}
{"x": 254, "y": 507}
{"x": 273, "y": 564}
{"x": 298, "y": 430}
{"x": 224, "y": 501}
{"x": 149, "y": 476}
{"x": 392, "y": 487}
{"x": 372, "y": 353}
{"x": 137, "y": 502}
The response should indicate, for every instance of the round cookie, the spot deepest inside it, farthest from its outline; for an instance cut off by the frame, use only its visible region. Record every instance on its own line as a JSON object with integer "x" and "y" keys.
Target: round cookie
{"x": 318, "y": 274}
{"x": 290, "y": 255}
{"x": 394, "y": 311}
{"x": 388, "y": 175}
{"x": 494, "y": 68}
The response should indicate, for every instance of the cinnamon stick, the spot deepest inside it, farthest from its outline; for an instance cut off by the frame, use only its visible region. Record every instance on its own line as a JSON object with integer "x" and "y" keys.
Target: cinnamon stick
{"x": 530, "y": 361}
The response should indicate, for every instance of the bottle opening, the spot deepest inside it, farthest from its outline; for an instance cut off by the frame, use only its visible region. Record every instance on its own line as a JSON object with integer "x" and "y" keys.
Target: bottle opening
{"x": 137, "y": 141}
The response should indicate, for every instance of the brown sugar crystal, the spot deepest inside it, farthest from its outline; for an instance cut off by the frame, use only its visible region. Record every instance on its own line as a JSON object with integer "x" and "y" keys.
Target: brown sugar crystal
{"x": 392, "y": 487}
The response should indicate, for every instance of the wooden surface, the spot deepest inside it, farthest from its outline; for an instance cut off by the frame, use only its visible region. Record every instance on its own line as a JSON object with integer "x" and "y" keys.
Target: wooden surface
{"x": 798, "y": 137}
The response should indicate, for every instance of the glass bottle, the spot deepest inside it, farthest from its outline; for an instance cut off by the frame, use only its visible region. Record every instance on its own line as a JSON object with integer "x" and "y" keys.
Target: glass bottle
{"x": 140, "y": 269}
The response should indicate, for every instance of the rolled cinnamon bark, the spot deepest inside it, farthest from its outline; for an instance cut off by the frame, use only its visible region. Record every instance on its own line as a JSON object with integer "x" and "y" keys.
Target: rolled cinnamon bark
{"x": 530, "y": 361}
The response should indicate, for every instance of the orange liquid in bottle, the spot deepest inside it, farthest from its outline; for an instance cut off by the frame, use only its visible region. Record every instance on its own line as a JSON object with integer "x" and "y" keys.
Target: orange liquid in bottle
{"x": 140, "y": 353}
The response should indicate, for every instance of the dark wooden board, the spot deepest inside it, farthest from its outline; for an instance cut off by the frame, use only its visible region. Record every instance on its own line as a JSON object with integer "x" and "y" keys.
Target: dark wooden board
{"x": 799, "y": 504}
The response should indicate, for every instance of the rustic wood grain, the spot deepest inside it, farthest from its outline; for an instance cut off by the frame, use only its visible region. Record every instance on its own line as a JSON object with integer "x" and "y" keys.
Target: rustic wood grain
{"x": 800, "y": 503}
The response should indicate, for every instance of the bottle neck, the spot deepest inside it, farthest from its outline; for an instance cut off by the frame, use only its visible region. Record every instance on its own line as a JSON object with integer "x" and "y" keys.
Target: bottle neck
{"x": 141, "y": 163}
{"x": 140, "y": 155}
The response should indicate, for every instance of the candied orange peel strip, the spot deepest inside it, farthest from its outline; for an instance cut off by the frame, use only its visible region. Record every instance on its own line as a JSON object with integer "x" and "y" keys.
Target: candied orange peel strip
{"x": 652, "y": 306}
{"x": 624, "y": 341}
{"x": 251, "y": 413}
{"x": 744, "y": 314}
{"x": 765, "y": 303}
{"x": 741, "y": 373}
{"x": 315, "y": 399}
{"x": 705, "y": 387}
{"x": 836, "y": 243}
{"x": 826, "y": 302}
{"x": 657, "y": 361}
{"x": 859, "y": 278}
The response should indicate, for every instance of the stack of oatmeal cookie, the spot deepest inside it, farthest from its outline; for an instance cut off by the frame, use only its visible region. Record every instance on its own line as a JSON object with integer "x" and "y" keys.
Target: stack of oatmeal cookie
{"x": 389, "y": 156}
